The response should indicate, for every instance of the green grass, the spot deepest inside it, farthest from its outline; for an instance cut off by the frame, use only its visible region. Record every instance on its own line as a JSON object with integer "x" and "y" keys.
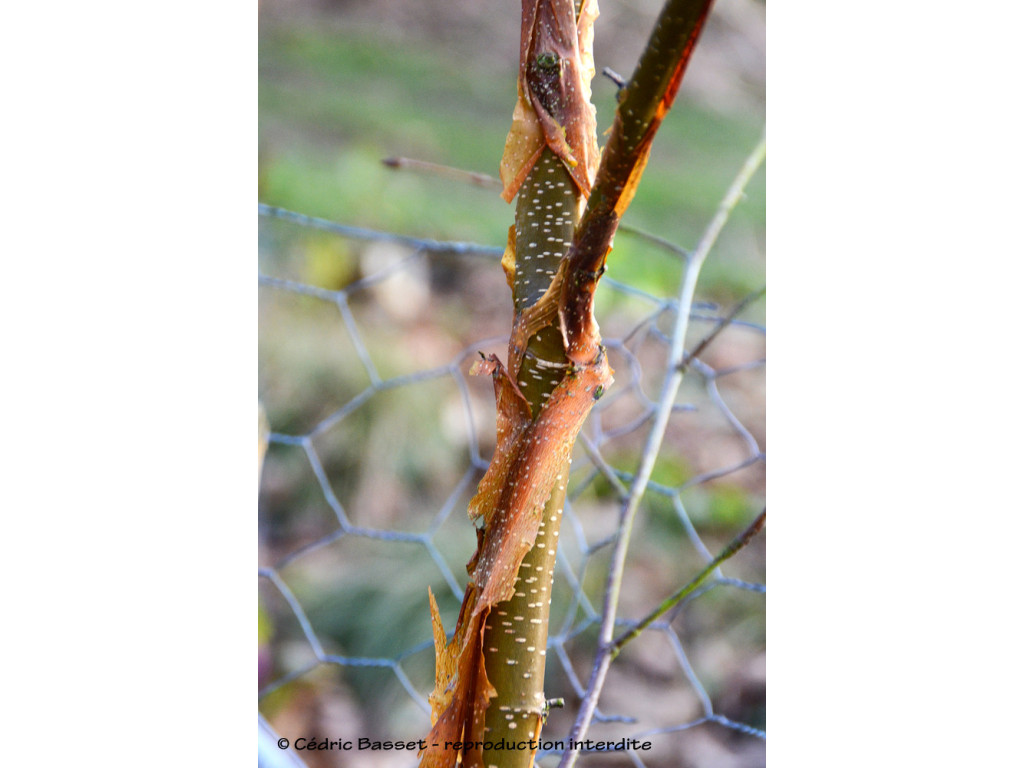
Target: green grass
{"x": 333, "y": 104}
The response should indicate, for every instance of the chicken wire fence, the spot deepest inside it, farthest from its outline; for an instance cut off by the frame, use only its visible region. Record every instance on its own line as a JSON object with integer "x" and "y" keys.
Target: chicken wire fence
{"x": 375, "y": 437}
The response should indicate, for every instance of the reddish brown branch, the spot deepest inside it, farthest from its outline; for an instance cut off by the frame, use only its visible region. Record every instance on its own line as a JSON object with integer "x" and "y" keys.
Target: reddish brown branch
{"x": 643, "y": 104}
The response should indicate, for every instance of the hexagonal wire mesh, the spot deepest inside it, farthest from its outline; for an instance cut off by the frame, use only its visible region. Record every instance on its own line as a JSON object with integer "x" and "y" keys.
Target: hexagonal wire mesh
{"x": 375, "y": 438}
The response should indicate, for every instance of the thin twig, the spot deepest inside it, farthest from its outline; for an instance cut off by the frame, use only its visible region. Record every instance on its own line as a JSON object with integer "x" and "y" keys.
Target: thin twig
{"x": 670, "y": 387}
{"x": 615, "y": 77}
{"x": 657, "y": 240}
{"x": 436, "y": 169}
{"x": 720, "y": 326}
{"x": 734, "y": 546}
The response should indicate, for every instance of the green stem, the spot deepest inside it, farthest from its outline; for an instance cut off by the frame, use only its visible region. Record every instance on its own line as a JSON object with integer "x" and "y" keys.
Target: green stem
{"x": 515, "y": 646}
{"x": 516, "y": 632}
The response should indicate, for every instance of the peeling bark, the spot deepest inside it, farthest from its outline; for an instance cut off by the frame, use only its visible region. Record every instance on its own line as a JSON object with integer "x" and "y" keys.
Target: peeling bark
{"x": 489, "y": 677}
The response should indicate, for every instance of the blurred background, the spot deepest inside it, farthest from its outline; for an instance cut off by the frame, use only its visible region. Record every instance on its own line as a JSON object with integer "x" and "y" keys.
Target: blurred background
{"x": 377, "y": 435}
